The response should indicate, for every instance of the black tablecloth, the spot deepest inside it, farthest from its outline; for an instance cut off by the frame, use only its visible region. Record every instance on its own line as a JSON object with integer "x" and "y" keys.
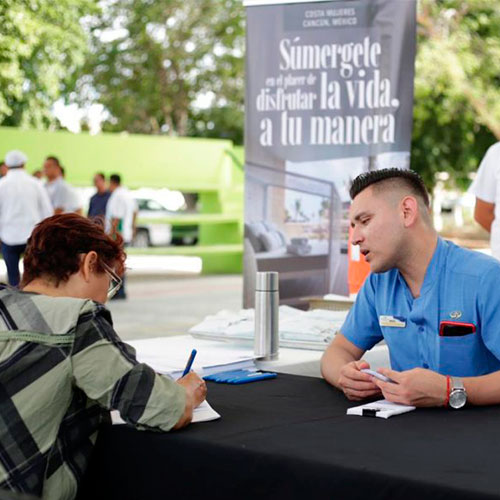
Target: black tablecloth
{"x": 291, "y": 438}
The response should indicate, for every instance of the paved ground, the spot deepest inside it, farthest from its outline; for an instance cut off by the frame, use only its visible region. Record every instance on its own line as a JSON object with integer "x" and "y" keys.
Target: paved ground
{"x": 167, "y": 296}
{"x": 169, "y": 305}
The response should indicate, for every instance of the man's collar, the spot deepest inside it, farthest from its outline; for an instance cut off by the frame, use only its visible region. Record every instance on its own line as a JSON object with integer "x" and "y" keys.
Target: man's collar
{"x": 435, "y": 264}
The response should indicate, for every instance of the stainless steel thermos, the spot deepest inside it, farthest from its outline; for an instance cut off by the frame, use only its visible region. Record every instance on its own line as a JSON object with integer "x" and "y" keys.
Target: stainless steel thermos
{"x": 266, "y": 340}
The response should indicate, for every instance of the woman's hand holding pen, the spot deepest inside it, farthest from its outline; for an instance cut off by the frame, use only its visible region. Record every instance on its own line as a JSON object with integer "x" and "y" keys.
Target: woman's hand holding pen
{"x": 196, "y": 392}
{"x": 195, "y": 386}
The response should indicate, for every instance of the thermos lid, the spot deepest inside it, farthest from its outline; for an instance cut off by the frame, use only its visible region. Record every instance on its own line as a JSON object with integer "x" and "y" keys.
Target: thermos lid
{"x": 267, "y": 282}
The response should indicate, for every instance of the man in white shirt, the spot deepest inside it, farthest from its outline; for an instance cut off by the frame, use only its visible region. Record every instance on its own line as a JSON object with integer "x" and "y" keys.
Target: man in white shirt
{"x": 121, "y": 212}
{"x": 23, "y": 204}
{"x": 61, "y": 194}
{"x": 486, "y": 188}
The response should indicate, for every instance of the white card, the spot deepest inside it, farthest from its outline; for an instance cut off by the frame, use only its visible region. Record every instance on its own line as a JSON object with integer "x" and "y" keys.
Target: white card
{"x": 380, "y": 409}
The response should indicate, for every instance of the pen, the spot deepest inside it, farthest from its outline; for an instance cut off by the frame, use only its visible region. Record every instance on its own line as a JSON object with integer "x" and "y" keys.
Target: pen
{"x": 189, "y": 363}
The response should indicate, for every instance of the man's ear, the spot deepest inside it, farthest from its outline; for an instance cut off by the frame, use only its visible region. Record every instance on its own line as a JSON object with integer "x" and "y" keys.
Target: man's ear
{"x": 88, "y": 265}
{"x": 409, "y": 210}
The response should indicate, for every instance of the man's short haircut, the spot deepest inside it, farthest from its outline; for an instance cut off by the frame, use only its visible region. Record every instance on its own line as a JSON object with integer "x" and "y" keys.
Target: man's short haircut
{"x": 407, "y": 178}
{"x": 115, "y": 178}
{"x": 101, "y": 175}
{"x": 55, "y": 159}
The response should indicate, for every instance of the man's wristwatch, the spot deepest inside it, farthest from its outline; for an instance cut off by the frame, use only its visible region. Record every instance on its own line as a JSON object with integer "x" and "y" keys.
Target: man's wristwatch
{"x": 458, "y": 394}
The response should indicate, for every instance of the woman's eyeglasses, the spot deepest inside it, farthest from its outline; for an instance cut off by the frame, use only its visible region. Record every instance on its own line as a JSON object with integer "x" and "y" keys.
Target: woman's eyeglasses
{"x": 115, "y": 282}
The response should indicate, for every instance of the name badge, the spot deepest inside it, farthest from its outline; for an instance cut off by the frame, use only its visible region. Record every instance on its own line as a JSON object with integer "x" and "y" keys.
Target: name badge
{"x": 394, "y": 321}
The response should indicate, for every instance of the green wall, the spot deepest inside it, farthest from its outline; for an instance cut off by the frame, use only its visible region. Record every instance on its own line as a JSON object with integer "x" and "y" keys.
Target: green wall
{"x": 210, "y": 167}
{"x": 186, "y": 164}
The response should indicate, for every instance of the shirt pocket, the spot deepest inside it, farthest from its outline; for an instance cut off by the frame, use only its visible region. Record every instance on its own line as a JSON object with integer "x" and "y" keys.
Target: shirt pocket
{"x": 462, "y": 356}
{"x": 403, "y": 347}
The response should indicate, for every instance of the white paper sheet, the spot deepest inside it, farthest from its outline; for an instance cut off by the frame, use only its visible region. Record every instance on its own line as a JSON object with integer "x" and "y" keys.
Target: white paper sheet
{"x": 203, "y": 413}
{"x": 168, "y": 355}
{"x": 317, "y": 325}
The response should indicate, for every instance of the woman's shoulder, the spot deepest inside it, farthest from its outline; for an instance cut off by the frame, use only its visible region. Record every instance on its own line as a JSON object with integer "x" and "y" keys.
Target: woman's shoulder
{"x": 46, "y": 314}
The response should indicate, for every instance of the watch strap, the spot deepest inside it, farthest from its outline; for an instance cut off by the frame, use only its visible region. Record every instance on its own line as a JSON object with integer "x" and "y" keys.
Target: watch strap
{"x": 457, "y": 383}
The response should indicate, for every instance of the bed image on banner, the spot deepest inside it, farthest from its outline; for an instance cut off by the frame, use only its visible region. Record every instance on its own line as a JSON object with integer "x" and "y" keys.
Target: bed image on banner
{"x": 329, "y": 95}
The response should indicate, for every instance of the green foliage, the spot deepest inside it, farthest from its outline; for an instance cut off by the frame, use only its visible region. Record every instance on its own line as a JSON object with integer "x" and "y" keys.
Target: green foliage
{"x": 219, "y": 122}
{"x": 457, "y": 91}
{"x": 41, "y": 44}
{"x": 177, "y": 67}
{"x": 164, "y": 56}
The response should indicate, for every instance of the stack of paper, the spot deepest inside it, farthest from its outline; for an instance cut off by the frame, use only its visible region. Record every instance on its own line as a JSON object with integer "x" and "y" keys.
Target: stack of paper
{"x": 168, "y": 355}
{"x": 317, "y": 326}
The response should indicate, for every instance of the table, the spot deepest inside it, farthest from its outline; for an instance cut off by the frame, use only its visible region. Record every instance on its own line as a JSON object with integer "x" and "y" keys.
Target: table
{"x": 303, "y": 362}
{"x": 293, "y": 361}
{"x": 290, "y": 438}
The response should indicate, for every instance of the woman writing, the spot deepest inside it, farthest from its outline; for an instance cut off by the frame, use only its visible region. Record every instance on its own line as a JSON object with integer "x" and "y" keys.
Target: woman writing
{"x": 63, "y": 367}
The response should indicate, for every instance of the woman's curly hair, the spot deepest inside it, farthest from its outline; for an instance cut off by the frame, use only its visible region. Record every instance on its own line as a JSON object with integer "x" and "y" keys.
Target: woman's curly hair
{"x": 54, "y": 248}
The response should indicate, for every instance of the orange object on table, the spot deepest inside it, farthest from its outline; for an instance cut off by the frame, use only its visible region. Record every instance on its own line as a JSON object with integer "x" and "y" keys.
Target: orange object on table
{"x": 358, "y": 269}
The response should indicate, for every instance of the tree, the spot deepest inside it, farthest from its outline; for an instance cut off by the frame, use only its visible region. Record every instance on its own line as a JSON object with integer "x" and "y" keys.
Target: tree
{"x": 457, "y": 91}
{"x": 41, "y": 44}
{"x": 150, "y": 69}
{"x": 225, "y": 122}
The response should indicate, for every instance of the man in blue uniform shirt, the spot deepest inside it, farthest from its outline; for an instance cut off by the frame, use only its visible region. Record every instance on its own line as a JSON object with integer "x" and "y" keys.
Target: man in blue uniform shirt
{"x": 435, "y": 304}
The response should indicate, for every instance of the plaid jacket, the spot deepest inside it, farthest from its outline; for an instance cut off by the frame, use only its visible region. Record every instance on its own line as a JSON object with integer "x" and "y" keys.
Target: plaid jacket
{"x": 62, "y": 367}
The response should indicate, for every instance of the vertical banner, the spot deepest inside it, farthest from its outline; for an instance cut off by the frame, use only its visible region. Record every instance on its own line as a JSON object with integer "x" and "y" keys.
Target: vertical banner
{"x": 329, "y": 95}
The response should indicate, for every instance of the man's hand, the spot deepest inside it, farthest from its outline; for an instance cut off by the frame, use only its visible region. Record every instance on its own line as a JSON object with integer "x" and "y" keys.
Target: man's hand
{"x": 196, "y": 392}
{"x": 417, "y": 387}
{"x": 356, "y": 384}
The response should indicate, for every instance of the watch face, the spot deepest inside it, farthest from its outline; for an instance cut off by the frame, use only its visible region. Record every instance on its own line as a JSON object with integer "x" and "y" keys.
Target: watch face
{"x": 458, "y": 399}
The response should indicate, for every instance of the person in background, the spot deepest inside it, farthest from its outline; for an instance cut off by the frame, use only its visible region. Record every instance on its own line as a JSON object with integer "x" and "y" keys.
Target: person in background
{"x": 435, "y": 304}
{"x": 486, "y": 188}
{"x": 61, "y": 194}
{"x": 60, "y": 381}
{"x": 23, "y": 204}
{"x": 38, "y": 174}
{"x": 99, "y": 201}
{"x": 3, "y": 169}
{"x": 121, "y": 213}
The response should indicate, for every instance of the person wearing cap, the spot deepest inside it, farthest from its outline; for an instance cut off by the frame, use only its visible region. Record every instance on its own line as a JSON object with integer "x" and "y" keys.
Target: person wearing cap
{"x": 23, "y": 204}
